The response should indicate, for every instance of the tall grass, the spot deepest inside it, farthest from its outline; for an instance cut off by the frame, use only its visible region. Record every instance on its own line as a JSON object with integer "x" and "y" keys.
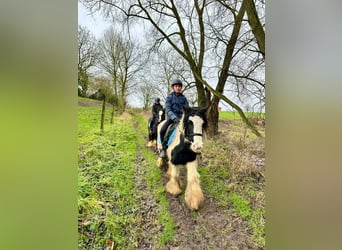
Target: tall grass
{"x": 108, "y": 199}
{"x": 227, "y": 175}
{"x": 106, "y": 184}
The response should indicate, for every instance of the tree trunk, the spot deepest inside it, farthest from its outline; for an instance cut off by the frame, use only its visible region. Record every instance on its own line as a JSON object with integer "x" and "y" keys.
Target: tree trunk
{"x": 112, "y": 115}
{"x": 213, "y": 110}
{"x": 212, "y": 128}
{"x": 213, "y": 117}
{"x": 103, "y": 112}
{"x": 256, "y": 25}
{"x": 201, "y": 95}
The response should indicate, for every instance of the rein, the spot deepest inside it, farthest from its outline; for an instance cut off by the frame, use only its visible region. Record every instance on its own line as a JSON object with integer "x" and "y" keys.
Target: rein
{"x": 187, "y": 138}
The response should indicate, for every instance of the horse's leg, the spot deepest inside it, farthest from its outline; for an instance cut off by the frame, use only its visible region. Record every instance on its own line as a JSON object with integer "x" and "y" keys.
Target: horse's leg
{"x": 193, "y": 193}
{"x": 154, "y": 143}
{"x": 150, "y": 142}
{"x": 173, "y": 184}
{"x": 160, "y": 162}
{"x": 168, "y": 171}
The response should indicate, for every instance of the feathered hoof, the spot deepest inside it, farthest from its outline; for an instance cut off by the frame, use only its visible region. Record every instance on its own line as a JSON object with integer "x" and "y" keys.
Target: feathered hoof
{"x": 167, "y": 175}
{"x": 172, "y": 187}
{"x": 194, "y": 198}
{"x": 159, "y": 162}
{"x": 154, "y": 143}
{"x": 168, "y": 172}
{"x": 149, "y": 144}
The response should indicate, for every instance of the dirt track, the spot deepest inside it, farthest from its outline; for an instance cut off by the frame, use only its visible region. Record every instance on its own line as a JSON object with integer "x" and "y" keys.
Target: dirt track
{"x": 211, "y": 227}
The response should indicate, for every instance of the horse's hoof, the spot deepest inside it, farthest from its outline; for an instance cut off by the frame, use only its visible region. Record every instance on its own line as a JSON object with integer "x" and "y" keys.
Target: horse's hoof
{"x": 149, "y": 144}
{"x": 173, "y": 188}
{"x": 159, "y": 162}
{"x": 167, "y": 175}
{"x": 194, "y": 199}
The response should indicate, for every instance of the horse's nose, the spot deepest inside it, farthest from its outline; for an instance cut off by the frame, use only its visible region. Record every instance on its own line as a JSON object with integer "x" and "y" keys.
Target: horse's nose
{"x": 197, "y": 147}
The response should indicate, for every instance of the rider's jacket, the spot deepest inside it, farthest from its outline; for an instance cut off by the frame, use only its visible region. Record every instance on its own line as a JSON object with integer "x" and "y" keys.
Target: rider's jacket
{"x": 174, "y": 104}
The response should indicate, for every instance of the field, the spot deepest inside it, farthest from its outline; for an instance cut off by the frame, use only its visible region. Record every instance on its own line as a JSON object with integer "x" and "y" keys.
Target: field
{"x": 235, "y": 115}
{"x": 121, "y": 198}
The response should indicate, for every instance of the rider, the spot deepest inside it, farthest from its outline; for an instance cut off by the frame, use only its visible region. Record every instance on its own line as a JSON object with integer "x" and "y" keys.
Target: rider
{"x": 173, "y": 105}
{"x": 156, "y": 107}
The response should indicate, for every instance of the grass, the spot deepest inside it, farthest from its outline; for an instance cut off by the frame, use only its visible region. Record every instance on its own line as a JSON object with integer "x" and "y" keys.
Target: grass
{"x": 227, "y": 175}
{"x": 155, "y": 185}
{"x": 235, "y": 115}
{"x": 106, "y": 183}
{"x": 107, "y": 188}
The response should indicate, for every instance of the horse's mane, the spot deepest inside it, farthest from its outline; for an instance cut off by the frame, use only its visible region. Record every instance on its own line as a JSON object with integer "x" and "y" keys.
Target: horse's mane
{"x": 192, "y": 112}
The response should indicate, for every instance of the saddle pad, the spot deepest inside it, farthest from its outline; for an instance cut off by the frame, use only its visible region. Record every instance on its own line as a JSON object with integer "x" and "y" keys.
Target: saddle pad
{"x": 172, "y": 136}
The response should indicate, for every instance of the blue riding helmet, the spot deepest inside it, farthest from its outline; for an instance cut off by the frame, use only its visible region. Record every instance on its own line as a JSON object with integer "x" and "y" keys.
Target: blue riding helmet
{"x": 176, "y": 82}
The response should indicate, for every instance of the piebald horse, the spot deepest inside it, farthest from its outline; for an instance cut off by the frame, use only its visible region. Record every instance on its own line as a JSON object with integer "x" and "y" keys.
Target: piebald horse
{"x": 183, "y": 150}
{"x": 153, "y": 122}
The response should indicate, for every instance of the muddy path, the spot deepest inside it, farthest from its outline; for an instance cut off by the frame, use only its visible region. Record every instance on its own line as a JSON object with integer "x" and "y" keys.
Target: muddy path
{"x": 209, "y": 228}
{"x": 212, "y": 227}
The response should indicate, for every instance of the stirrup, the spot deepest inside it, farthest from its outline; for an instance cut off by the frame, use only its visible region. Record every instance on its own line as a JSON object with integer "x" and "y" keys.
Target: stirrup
{"x": 162, "y": 154}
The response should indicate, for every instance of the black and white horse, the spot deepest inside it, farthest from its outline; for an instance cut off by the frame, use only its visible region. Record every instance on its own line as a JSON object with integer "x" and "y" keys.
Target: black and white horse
{"x": 152, "y": 128}
{"x": 186, "y": 144}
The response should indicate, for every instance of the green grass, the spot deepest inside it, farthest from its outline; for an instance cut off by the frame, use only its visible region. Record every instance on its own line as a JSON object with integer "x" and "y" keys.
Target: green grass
{"x": 155, "y": 185}
{"x": 106, "y": 185}
{"x": 235, "y": 115}
{"x": 241, "y": 205}
{"x": 234, "y": 191}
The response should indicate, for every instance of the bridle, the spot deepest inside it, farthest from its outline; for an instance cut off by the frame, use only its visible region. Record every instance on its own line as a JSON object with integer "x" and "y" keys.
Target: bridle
{"x": 189, "y": 137}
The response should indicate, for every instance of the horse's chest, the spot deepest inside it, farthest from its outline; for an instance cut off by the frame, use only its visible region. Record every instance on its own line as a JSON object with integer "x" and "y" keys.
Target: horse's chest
{"x": 182, "y": 154}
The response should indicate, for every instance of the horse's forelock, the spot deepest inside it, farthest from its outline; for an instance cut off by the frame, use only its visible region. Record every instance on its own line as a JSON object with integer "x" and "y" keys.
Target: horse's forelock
{"x": 195, "y": 111}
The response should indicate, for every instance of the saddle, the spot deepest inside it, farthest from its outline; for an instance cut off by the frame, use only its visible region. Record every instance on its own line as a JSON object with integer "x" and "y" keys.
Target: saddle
{"x": 169, "y": 132}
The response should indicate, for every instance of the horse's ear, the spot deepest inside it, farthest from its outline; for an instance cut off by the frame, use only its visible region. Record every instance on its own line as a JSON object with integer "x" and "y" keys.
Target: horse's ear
{"x": 203, "y": 110}
{"x": 185, "y": 109}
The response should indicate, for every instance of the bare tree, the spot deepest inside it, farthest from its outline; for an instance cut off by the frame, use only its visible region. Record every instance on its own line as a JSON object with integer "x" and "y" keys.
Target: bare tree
{"x": 246, "y": 77}
{"x": 121, "y": 60}
{"x": 87, "y": 58}
{"x": 256, "y": 26}
{"x": 170, "y": 66}
{"x": 147, "y": 94}
{"x": 193, "y": 30}
{"x": 104, "y": 93}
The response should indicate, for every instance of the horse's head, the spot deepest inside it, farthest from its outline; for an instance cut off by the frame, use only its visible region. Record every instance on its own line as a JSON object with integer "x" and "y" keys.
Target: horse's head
{"x": 194, "y": 120}
{"x": 161, "y": 115}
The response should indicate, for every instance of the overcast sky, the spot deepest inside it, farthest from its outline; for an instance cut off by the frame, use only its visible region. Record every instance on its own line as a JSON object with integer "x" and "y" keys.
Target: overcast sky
{"x": 96, "y": 24}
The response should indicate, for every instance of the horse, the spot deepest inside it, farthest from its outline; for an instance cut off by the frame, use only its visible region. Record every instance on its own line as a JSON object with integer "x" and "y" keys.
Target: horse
{"x": 186, "y": 144}
{"x": 152, "y": 127}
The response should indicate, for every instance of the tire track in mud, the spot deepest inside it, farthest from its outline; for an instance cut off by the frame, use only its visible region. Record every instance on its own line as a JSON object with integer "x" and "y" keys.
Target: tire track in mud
{"x": 148, "y": 228}
{"x": 211, "y": 227}
{"x": 148, "y": 210}
{"x": 208, "y": 228}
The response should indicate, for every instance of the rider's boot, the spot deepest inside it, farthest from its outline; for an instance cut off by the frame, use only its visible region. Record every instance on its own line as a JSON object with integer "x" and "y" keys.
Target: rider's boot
{"x": 163, "y": 152}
